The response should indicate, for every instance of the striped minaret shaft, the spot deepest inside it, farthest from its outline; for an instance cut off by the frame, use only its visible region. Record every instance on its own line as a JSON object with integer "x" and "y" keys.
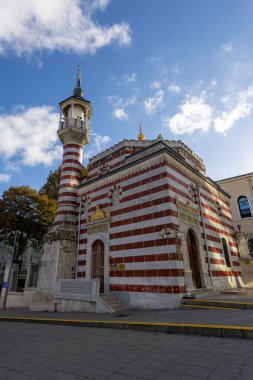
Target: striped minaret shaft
{"x": 74, "y": 134}
{"x": 70, "y": 178}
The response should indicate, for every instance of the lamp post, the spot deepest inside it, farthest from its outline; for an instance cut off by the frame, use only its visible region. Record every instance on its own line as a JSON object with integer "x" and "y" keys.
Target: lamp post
{"x": 17, "y": 233}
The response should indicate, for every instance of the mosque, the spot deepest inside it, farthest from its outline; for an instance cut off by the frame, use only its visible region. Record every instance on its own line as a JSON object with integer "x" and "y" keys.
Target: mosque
{"x": 141, "y": 227}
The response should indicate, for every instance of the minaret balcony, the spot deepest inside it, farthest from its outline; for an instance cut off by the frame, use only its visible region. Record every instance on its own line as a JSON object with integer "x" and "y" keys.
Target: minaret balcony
{"x": 71, "y": 122}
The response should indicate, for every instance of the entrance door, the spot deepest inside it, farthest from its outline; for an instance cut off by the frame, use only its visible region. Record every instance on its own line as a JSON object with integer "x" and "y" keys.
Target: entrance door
{"x": 194, "y": 259}
{"x": 97, "y": 271}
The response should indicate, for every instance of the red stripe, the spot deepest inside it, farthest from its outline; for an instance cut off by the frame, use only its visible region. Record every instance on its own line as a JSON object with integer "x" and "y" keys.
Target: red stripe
{"x": 140, "y": 218}
{"x": 67, "y": 194}
{"x": 141, "y": 231}
{"x": 217, "y": 261}
{"x": 82, "y": 262}
{"x": 219, "y": 273}
{"x": 147, "y": 288}
{"x": 71, "y": 161}
{"x": 143, "y": 258}
{"x": 209, "y": 217}
{"x": 67, "y": 212}
{"x": 215, "y": 250}
{"x": 80, "y": 274}
{"x": 78, "y": 146}
{"x": 68, "y": 185}
{"x": 70, "y": 177}
{"x": 148, "y": 273}
{"x": 143, "y": 244}
{"x": 71, "y": 154}
{"x": 112, "y": 157}
{"x": 218, "y": 230}
{"x": 66, "y": 203}
{"x": 71, "y": 169}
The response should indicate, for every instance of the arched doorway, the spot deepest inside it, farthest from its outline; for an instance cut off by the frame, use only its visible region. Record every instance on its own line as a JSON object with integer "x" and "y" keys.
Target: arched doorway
{"x": 194, "y": 259}
{"x": 97, "y": 270}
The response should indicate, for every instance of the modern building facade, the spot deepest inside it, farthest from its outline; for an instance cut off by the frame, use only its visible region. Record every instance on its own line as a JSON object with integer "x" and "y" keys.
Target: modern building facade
{"x": 241, "y": 190}
{"x": 144, "y": 223}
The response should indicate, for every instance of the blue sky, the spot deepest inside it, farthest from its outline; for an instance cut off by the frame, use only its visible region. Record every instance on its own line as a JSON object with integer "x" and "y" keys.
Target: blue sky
{"x": 181, "y": 68}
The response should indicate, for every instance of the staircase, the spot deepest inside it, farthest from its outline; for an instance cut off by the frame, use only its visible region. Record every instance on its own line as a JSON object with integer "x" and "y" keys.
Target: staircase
{"x": 222, "y": 304}
{"x": 111, "y": 304}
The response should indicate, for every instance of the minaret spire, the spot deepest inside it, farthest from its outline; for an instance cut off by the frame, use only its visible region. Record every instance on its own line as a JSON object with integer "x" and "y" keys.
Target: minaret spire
{"x": 141, "y": 135}
{"x": 78, "y": 90}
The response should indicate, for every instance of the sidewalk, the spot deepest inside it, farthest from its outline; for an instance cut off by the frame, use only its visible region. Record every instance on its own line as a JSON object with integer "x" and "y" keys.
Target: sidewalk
{"x": 222, "y": 323}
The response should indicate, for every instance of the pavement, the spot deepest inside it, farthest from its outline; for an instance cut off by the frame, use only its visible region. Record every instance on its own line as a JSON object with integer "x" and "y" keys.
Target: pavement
{"x": 45, "y": 352}
{"x": 220, "y": 323}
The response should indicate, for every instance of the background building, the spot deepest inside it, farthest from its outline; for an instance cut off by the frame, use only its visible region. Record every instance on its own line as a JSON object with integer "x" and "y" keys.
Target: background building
{"x": 241, "y": 190}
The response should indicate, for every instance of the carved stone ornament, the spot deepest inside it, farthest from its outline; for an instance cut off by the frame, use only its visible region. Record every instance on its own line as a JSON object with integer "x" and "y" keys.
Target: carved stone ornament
{"x": 79, "y": 135}
{"x": 99, "y": 214}
{"x": 187, "y": 207}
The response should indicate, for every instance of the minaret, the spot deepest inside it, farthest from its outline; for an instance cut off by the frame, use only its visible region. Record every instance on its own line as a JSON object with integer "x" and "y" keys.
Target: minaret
{"x": 60, "y": 243}
{"x": 74, "y": 130}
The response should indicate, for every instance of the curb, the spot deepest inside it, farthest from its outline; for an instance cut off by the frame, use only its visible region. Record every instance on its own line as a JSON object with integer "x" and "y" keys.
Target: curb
{"x": 167, "y": 327}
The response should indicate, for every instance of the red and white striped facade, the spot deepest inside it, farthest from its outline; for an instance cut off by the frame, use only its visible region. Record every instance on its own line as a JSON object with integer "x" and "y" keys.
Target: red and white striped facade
{"x": 160, "y": 185}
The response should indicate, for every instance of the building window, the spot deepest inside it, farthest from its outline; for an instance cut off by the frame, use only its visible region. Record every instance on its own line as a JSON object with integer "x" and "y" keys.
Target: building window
{"x": 226, "y": 253}
{"x": 244, "y": 208}
{"x": 250, "y": 246}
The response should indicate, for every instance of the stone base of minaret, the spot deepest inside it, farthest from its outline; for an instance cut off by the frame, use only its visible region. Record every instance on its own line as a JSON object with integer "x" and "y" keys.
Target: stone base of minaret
{"x": 58, "y": 262}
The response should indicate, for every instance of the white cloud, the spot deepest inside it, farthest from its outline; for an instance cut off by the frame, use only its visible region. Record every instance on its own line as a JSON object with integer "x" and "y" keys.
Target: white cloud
{"x": 120, "y": 113}
{"x": 195, "y": 114}
{"x": 213, "y": 83}
{"x": 174, "y": 88}
{"x": 152, "y": 103}
{"x": 128, "y": 78}
{"x": 27, "y": 26}
{"x": 119, "y": 105}
{"x": 30, "y": 135}
{"x": 4, "y": 177}
{"x": 97, "y": 144}
{"x": 225, "y": 120}
{"x": 156, "y": 85}
{"x": 228, "y": 47}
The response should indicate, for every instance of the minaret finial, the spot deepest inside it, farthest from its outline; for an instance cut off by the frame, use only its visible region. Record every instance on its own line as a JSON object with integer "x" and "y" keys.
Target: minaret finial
{"x": 141, "y": 135}
{"x": 78, "y": 90}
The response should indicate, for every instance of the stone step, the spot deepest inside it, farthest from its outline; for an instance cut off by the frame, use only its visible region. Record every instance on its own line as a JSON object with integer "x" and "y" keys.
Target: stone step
{"x": 212, "y": 303}
{"x": 113, "y": 303}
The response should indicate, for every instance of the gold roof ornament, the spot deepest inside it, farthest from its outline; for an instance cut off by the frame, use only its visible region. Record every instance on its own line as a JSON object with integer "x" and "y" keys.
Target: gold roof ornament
{"x": 141, "y": 135}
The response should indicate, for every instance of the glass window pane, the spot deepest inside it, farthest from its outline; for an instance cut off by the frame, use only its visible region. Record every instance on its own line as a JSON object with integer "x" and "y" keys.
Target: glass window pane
{"x": 244, "y": 208}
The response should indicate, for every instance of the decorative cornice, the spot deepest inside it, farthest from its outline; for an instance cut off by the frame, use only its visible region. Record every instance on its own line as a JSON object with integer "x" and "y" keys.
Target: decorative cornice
{"x": 73, "y": 134}
{"x": 143, "y": 144}
{"x": 187, "y": 207}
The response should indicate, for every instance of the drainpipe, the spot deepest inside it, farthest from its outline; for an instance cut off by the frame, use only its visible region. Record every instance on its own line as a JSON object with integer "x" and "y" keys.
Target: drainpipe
{"x": 205, "y": 238}
{"x": 78, "y": 235}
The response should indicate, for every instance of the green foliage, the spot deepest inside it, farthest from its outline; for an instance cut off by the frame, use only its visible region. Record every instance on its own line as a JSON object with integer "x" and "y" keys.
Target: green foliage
{"x": 51, "y": 187}
{"x": 25, "y": 210}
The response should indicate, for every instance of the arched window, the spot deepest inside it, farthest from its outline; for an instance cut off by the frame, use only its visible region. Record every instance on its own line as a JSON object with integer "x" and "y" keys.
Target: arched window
{"x": 244, "y": 208}
{"x": 226, "y": 253}
{"x": 250, "y": 246}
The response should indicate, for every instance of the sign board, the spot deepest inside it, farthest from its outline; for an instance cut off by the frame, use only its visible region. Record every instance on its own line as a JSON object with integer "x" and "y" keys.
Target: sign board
{"x": 4, "y": 285}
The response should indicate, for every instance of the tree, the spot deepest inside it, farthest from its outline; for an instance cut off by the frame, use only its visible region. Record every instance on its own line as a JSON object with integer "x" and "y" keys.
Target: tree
{"x": 51, "y": 187}
{"x": 24, "y": 209}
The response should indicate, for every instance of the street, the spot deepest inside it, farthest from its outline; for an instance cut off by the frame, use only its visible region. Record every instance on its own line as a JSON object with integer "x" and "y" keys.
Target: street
{"x": 34, "y": 351}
